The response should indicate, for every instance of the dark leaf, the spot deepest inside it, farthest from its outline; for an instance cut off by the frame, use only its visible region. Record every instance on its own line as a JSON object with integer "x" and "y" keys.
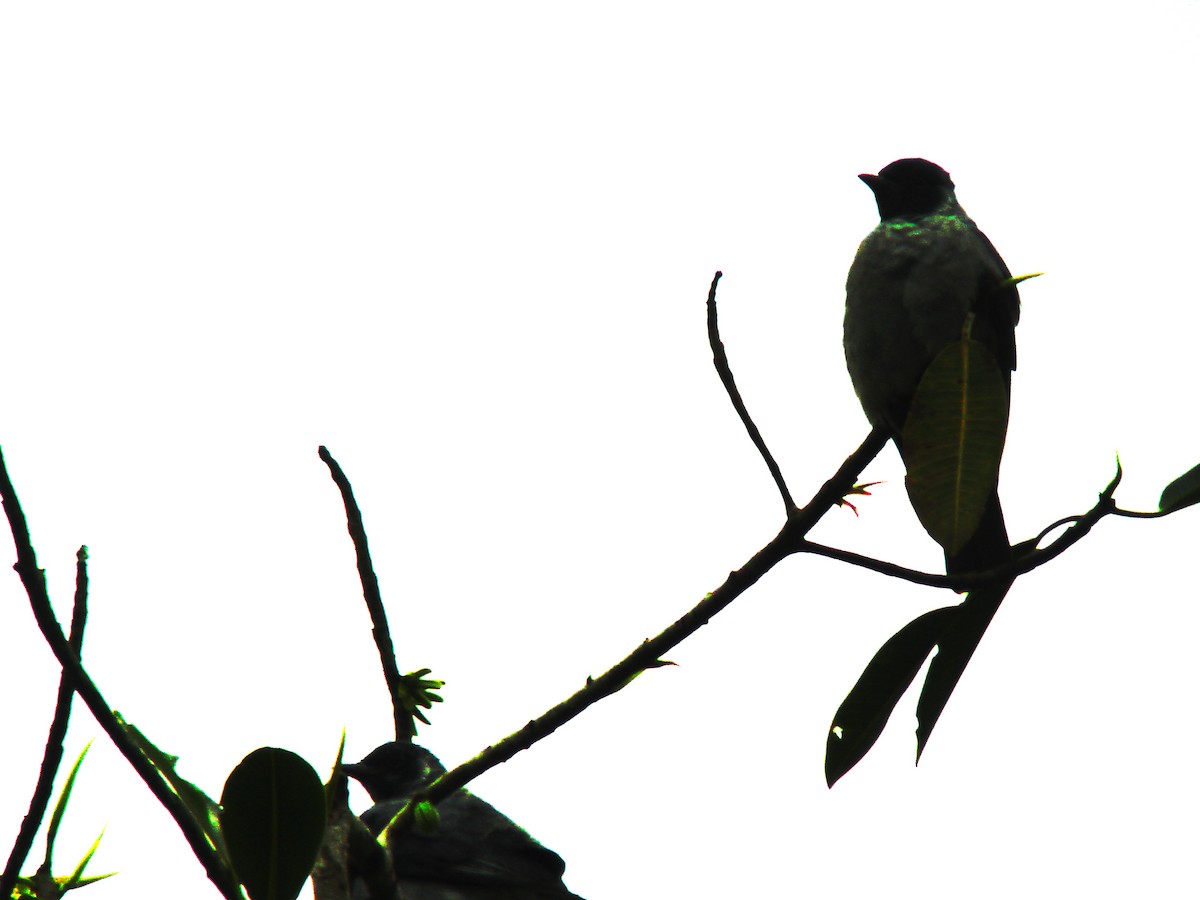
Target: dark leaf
{"x": 860, "y": 719}
{"x": 1183, "y": 491}
{"x": 273, "y": 819}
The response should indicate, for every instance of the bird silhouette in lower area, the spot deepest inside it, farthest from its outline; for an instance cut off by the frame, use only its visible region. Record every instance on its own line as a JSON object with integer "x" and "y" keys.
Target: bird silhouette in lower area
{"x": 475, "y": 853}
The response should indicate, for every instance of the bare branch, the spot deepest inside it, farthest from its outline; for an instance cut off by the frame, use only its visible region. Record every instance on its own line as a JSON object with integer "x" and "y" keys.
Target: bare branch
{"x": 721, "y": 361}
{"x": 405, "y": 727}
{"x": 649, "y": 653}
{"x": 34, "y": 580}
{"x": 52, "y": 757}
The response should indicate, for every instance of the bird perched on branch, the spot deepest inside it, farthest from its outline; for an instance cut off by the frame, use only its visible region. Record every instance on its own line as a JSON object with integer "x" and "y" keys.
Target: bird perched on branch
{"x": 924, "y": 280}
{"x": 475, "y": 852}
{"x": 916, "y": 279}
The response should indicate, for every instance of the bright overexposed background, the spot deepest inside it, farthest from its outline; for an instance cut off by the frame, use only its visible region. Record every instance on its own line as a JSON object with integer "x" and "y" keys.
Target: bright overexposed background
{"x": 467, "y": 247}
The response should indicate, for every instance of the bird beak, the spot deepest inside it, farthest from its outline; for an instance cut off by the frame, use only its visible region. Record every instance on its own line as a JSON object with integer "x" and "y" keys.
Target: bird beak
{"x": 870, "y": 180}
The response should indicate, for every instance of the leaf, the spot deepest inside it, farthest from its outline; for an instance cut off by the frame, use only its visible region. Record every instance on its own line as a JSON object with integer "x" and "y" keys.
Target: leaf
{"x": 273, "y": 820}
{"x": 1183, "y": 491}
{"x": 1014, "y": 280}
{"x": 328, "y": 788}
{"x": 414, "y": 690}
{"x": 203, "y": 808}
{"x": 860, "y": 719}
{"x": 953, "y": 439}
{"x": 426, "y": 817}
{"x": 956, "y": 645}
{"x": 44, "y": 887}
{"x": 60, "y": 807}
{"x": 76, "y": 879}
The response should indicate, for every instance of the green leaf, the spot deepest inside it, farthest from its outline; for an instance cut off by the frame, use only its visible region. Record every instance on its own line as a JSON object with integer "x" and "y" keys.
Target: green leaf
{"x": 60, "y": 807}
{"x": 426, "y": 817}
{"x": 1014, "y": 280}
{"x": 273, "y": 820}
{"x": 55, "y": 887}
{"x": 203, "y": 808}
{"x": 860, "y": 719}
{"x": 1183, "y": 491}
{"x": 75, "y": 879}
{"x": 953, "y": 440}
{"x": 415, "y": 690}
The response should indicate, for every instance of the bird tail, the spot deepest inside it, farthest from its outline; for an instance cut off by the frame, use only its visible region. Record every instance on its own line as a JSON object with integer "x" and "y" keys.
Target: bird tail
{"x": 987, "y": 549}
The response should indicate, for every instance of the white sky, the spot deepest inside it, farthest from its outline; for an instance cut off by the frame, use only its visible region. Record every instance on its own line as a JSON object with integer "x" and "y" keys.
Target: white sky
{"x": 467, "y": 247}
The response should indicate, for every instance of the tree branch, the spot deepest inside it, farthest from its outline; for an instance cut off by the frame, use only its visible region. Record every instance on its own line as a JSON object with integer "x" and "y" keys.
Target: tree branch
{"x": 34, "y": 580}
{"x": 405, "y": 728}
{"x": 52, "y": 757}
{"x": 721, "y": 362}
{"x": 647, "y": 655}
{"x": 1026, "y": 556}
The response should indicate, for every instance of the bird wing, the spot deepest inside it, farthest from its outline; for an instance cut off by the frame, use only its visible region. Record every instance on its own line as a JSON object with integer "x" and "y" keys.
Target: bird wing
{"x": 474, "y": 844}
{"x": 997, "y": 307}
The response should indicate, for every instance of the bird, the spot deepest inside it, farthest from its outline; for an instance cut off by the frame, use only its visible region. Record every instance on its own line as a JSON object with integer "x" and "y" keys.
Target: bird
{"x": 475, "y": 852}
{"x": 915, "y": 279}
{"x": 918, "y": 277}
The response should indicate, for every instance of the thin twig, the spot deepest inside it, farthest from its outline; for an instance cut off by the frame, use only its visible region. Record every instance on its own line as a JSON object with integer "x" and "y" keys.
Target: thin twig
{"x": 1027, "y": 558}
{"x": 404, "y": 725}
{"x": 34, "y": 580}
{"x": 721, "y": 362}
{"x": 1139, "y": 514}
{"x": 877, "y": 565}
{"x": 52, "y": 757}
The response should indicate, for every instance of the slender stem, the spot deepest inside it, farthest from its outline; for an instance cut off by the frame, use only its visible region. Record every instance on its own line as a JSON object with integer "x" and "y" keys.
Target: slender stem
{"x": 34, "y": 580}
{"x": 404, "y": 725}
{"x": 721, "y": 362}
{"x": 52, "y": 757}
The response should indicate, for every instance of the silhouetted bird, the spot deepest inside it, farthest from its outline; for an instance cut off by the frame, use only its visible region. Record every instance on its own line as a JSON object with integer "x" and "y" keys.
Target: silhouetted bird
{"x": 476, "y": 852}
{"x": 915, "y": 279}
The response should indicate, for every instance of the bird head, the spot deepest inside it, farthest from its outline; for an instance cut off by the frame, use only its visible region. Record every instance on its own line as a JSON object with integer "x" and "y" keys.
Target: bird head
{"x": 909, "y": 188}
{"x": 395, "y": 771}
